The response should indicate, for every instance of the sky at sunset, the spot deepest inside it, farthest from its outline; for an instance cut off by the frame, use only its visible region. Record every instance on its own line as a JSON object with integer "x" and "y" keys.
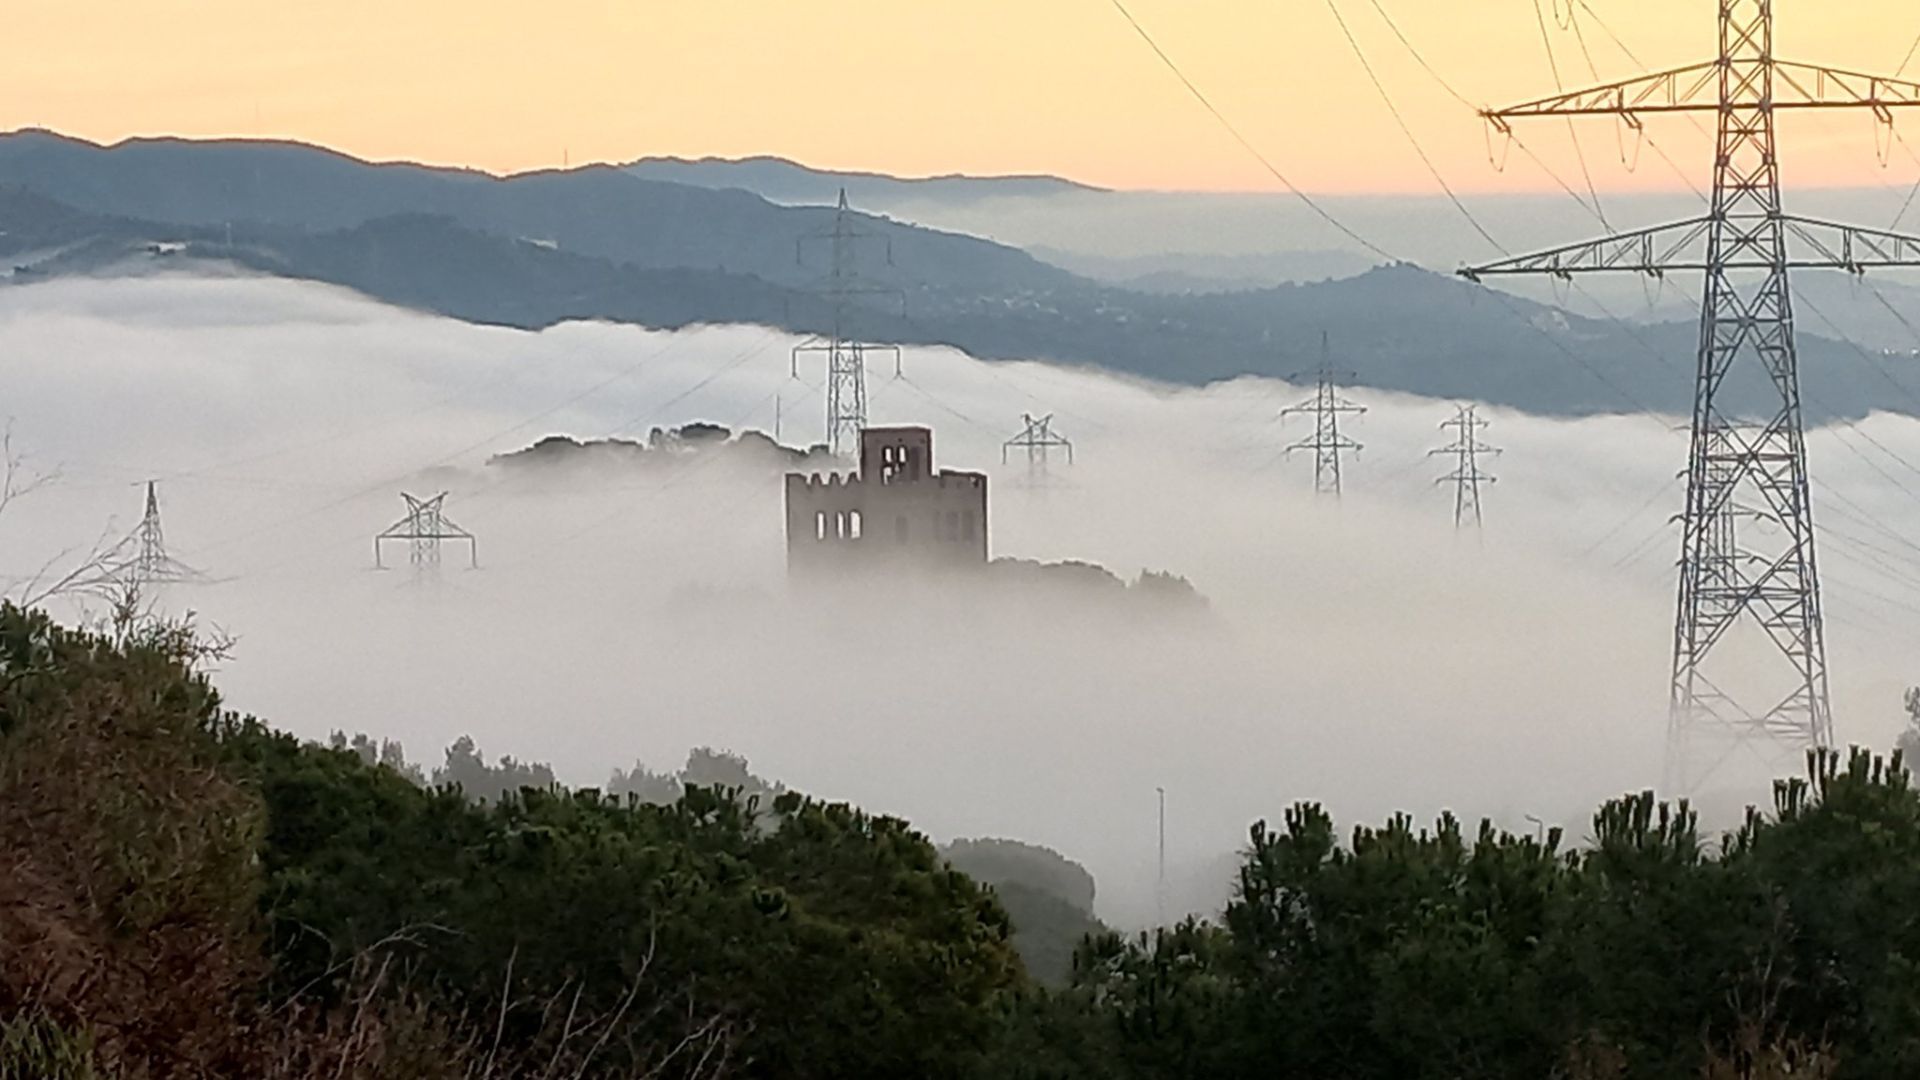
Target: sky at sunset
{"x": 926, "y": 86}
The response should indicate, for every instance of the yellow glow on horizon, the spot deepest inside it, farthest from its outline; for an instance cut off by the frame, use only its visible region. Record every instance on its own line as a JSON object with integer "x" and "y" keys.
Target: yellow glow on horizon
{"x": 921, "y": 87}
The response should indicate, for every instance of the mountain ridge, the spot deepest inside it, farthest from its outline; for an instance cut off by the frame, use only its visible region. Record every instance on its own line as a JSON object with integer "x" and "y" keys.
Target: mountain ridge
{"x": 596, "y": 210}
{"x": 545, "y": 248}
{"x": 785, "y": 180}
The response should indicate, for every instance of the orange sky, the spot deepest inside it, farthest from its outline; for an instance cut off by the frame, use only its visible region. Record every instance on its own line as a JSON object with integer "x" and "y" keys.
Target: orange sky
{"x": 913, "y": 86}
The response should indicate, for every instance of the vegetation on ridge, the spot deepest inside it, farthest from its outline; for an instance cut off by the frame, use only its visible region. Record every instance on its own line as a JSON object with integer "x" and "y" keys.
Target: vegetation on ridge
{"x": 185, "y": 893}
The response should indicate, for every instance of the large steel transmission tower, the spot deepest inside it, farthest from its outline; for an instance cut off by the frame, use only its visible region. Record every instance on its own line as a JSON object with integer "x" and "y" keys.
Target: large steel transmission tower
{"x": 1037, "y": 438}
{"x": 1749, "y": 588}
{"x": 1467, "y": 475}
{"x": 1326, "y": 406}
{"x": 424, "y": 527}
{"x": 846, "y": 356}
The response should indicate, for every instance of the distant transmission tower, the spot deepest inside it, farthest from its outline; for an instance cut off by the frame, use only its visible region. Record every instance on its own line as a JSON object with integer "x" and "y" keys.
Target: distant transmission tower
{"x": 1326, "y": 405}
{"x": 424, "y": 527}
{"x": 141, "y": 560}
{"x": 1038, "y": 439}
{"x": 846, "y": 356}
{"x": 1747, "y": 470}
{"x": 1467, "y": 476}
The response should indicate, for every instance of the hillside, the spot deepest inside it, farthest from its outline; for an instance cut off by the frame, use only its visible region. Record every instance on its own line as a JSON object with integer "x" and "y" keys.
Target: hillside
{"x": 601, "y": 212}
{"x": 534, "y": 250}
{"x": 415, "y": 260}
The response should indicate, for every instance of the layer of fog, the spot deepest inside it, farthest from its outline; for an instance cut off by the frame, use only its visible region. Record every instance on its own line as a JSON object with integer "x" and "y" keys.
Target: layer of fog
{"x": 1426, "y": 229}
{"x": 1363, "y": 652}
{"x": 1185, "y": 241}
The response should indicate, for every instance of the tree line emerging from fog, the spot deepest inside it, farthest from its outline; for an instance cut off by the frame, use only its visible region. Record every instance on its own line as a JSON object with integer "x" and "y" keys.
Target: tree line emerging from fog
{"x": 189, "y": 893}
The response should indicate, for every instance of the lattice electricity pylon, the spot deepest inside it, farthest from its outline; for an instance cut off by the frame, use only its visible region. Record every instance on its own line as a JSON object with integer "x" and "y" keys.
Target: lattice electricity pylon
{"x": 1467, "y": 475}
{"x": 1748, "y": 457}
{"x": 846, "y": 357}
{"x": 1038, "y": 439}
{"x": 424, "y": 527}
{"x": 1326, "y": 405}
{"x": 140, "y": 560}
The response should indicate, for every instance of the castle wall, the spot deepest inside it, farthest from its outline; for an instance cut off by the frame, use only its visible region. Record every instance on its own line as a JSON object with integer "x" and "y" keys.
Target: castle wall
{"x": 857, "y": 521}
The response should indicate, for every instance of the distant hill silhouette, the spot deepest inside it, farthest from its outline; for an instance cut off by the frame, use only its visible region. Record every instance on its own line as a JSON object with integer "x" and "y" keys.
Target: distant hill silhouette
{"x": 785, "y": 181}
{"x": 534, "y": 250}
{"x": 597, "y": 211}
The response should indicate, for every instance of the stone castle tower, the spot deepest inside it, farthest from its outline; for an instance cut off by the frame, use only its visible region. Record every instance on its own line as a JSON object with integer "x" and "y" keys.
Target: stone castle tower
{"x": 897, "y": 511}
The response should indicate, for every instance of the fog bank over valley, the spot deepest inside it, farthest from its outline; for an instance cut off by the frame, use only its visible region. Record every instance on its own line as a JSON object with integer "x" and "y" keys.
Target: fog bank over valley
{"x": 1360, "y": 652}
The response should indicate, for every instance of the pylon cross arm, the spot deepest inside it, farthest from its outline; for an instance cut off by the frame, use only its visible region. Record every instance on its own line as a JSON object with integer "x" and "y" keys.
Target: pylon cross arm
{"x": 1812, "y": 244}
{"x": 830, "y": 346}
{"x": 1338, "y": 442}
{"x": 1849, "y": 247}
{"x": 1813, "y": 86}
{"x": 1694, "y": 88}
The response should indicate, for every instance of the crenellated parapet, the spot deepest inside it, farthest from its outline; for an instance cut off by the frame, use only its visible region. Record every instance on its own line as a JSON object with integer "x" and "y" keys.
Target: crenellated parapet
{"x": 815, "y": 481}
{"x": 896, "y": 510}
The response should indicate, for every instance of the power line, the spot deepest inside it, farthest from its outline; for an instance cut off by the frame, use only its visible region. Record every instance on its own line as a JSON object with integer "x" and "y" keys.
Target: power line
{"x": 492, "y": 437}
{"x": 1408, "y": 132}
{"x": 338, "y": 434}
{"x": 1882, "y": 372}
{"x": 956, "y": 413}
{"x": 1580, "y": 155}
{"x": 1847, "y": 422}
{"x": 1640, "y": 550}
{"x": 678, "y": 476}
{"x": 992, "y": 370}
{"x": 767, "y": 340}
{"x": 1499, "y": 297}
{"x": 1640, "y": 132}
{"x": 1907, "y": 59}
{"x": 1442, "y": 82}
{"x": 1630, "y": 518}
{"x": 1738, "y": 469}
{"x": 1857, "y": 514}
{"x": 1221, "y": 117}
{"x": 1878, "y": 558}
{"x": 1595, "y": 210}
